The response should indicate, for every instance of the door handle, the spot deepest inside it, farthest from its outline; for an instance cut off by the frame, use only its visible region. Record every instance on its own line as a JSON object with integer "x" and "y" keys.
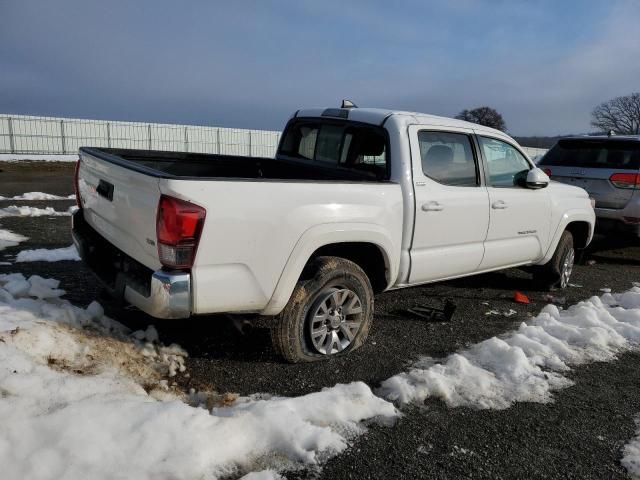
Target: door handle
{"x": 499, "y": 205}
{"x": 432, "y": 207}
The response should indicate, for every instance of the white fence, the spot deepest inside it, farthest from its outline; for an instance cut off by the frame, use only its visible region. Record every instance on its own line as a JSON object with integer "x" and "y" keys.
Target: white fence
{"x": 535, "y": 152}
{"x": 22, "y": 134}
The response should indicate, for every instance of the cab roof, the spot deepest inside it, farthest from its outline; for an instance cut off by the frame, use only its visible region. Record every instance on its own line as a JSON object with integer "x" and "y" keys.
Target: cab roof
{"x": 380, "y": 116}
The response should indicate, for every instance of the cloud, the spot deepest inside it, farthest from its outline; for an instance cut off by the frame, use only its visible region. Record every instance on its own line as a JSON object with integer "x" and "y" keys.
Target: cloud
{"x": 543, "y": 64}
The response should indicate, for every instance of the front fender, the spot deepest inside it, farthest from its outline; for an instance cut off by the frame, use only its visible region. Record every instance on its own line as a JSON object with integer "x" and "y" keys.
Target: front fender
{"x": 327, "y": 234}
{"x": 574, "y": 215}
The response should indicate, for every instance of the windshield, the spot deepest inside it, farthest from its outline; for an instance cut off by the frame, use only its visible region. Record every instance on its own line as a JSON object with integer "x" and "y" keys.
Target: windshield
{"x": 595, "y": 153}
{"x": 341, "y": 144}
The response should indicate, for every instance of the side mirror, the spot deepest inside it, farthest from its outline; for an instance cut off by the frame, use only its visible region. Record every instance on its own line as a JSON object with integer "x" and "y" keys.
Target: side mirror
{"x": 536, "y": 178}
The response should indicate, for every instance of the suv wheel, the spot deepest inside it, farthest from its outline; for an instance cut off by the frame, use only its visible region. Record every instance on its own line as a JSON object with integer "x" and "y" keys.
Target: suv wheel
{"x": 329, "y": 313}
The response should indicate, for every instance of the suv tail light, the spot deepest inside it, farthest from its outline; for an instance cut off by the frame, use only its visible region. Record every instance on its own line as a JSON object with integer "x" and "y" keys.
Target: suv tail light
{"x": 625, "y": 180}
{"x": 76, "y": 183}
{"x": 547, "y": 171}
{"x": 178, "y": 228}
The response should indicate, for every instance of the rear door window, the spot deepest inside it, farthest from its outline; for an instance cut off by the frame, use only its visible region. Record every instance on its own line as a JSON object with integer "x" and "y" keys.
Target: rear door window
{"x": 614, "y": 154}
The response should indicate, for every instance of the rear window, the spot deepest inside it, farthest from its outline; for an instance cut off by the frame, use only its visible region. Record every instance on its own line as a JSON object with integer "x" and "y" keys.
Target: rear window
{"x": 341, "y": 144}
{"x": 617, "y": 154}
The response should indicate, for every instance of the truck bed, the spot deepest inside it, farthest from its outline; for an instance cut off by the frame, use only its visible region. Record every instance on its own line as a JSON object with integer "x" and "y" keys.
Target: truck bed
{"x": 199, "y": 166}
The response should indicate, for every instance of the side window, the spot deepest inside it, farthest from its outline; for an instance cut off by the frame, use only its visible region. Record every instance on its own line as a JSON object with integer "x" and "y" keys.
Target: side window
{"x": 507, "y": 166}
{"x": 448, "y": 158}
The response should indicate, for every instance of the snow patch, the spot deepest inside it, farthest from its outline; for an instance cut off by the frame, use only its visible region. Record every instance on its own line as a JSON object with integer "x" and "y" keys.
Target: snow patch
{"x": 48, "y": 255}
{"x": 631, "y": 454}
{"x": 38, "y": 196}
{"x": 10, "y": 239}
{"x": 26, "y": 211}
{"x": 263, "y": 475}
{"x": 525, "y": 365}
{"x": 82, "y": 395}
{"x": 14, "y": 157}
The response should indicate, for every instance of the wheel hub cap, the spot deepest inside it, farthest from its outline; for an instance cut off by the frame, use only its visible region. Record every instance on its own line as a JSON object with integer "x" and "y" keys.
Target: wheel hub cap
{"x": 334, "y": 320}
{"x": 567, "y": 268}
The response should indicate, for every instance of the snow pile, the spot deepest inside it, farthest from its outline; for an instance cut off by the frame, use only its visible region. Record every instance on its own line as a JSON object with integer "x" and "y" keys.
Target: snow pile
{"x": 26, "y": 211}
{"x": 80, "y": 398}
{"x": 10, "y": 239}
{"x": 14, "y": 157}
{"x": 631, "y": 458}
{"x": 263, "y": 475}
{"x": 36, "y": 321}
{"x": 48, "y": 255}
{"x": 38, "y": 196}
{"x": 525, "y": 365}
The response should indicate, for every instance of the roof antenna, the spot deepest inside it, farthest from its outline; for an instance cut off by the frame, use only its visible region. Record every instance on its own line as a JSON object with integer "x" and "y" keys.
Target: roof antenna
{"x": 611, "y": 133}
{"x": 348, "y": 104}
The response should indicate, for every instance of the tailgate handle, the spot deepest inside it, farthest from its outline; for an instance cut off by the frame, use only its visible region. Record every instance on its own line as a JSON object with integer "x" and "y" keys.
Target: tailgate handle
{"x": 105, "y": 189}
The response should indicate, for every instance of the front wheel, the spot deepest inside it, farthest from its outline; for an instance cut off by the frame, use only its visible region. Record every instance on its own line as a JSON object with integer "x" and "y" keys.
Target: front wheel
{"x": 329, "y": 313}
{"x": 557, "y": 273}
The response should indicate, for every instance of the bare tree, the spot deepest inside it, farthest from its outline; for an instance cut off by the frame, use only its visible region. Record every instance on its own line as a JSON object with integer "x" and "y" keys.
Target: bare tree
{"x": 486, "y": 116}
{"x": 622, "y": 115}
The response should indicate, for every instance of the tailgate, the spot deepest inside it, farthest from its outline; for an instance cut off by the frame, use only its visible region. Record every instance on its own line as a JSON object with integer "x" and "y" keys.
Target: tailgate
{"x": 121, "y": 205}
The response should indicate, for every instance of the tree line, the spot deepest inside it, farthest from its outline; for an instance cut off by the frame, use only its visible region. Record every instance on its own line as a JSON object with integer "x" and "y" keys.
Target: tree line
{"x": 620, "y": 115}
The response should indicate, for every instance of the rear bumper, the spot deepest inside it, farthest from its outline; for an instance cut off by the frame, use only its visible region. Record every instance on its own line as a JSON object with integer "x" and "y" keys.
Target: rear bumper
{"x": 170, "y": 295}
{"x": 160, "y": 294}
{"x": 623, "y": 220}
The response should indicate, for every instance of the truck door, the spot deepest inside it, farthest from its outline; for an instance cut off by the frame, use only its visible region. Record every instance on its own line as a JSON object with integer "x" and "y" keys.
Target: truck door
{"x": 452, "y": 204}
{"x": 520, "y": 217}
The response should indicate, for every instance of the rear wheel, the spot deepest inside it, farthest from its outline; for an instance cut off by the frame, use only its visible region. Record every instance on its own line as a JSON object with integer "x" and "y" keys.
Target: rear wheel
{"x": 557, "y": 273}
{"x": 329, "y": 313}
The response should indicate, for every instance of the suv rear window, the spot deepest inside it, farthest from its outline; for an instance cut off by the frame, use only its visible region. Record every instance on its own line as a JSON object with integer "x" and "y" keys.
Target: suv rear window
{"x": 587, "y": 153}
{"x": 343, "y": 144}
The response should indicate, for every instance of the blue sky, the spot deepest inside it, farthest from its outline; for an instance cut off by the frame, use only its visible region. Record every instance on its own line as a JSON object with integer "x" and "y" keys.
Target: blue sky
{"x": 544, "y": 64}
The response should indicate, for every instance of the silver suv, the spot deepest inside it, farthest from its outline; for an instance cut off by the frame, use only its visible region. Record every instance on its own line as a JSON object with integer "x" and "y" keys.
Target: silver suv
{"x": 606, "y": 167}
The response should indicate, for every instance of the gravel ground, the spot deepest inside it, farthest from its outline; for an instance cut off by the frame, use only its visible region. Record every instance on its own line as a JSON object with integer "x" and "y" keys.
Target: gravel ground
{"x": 578, "y": 436}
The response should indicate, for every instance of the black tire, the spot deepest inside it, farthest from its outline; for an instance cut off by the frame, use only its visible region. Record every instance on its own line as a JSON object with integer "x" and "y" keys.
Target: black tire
{"x": 550, "y": 275}
{"x": 323, "y": 277}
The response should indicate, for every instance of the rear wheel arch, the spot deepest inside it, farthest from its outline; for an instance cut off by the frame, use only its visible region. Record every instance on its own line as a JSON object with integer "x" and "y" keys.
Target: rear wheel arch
{"x": 367, "y": 245}
{"x": 368, "y": 256}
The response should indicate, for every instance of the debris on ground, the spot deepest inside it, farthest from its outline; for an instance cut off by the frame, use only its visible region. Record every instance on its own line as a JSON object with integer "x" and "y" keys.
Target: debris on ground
{"x": 520, "y": 297}
{"x": 434, "y": 314}
{"x": 549, "y": 298}
{"x": 591, "y": 262}
{"x": 574, "y": 285}
{"x": 507, "y": 313}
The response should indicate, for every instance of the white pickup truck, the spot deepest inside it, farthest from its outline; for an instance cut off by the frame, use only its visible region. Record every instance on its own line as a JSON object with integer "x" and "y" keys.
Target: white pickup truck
{"x": 356, "y": 201}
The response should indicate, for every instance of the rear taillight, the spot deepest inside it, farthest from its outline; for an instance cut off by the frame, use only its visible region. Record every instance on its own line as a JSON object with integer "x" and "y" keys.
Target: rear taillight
{"x": 178, "y": 228}
{"x": 76, "y": 183}
{"x": 547, "y": 171}
{"x": 625, "y": 180}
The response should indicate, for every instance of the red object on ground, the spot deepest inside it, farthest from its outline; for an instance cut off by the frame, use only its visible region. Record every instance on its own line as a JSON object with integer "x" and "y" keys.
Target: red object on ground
{"x": 520, "y": 297}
